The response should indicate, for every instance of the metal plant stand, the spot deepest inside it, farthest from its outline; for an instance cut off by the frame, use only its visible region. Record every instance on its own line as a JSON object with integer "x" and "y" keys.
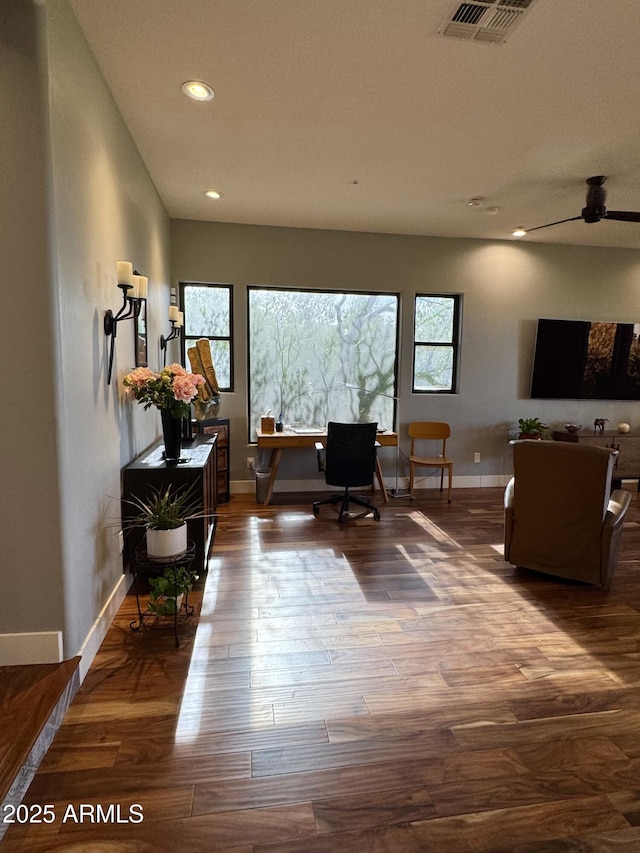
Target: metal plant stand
{"x": 153, "y": 568}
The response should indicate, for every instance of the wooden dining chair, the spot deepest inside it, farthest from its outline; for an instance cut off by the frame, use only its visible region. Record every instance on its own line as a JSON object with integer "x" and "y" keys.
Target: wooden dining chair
{"x": 429, "y": 431}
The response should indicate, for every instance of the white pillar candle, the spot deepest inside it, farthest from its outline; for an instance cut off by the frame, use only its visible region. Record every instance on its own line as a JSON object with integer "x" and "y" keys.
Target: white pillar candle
{"x": 173, "y": 313}
{"x": 143, "y": 281}
{"x": 135, "y": 281}
{"x": 125, "y": 272}
{"x": 180, "y": 319}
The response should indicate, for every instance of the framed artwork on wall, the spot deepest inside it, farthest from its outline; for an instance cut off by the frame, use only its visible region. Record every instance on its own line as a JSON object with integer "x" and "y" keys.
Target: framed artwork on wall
{"x": 140, "y": 332}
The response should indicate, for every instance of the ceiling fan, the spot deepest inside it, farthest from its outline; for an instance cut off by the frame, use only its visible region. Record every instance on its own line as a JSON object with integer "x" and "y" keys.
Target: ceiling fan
{"x": 593, "y": 211}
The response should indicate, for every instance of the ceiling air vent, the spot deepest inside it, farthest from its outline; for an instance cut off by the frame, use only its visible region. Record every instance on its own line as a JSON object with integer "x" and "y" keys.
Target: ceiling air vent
{"x": 488, "y": 21}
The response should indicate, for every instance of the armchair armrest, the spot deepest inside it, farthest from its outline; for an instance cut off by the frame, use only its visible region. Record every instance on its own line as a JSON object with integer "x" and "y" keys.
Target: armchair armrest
{"x": 320, "y": 455}
{"x": 508, "y": 517}
{"x": 617, "y": 508}
{"x": 611, "y": 532}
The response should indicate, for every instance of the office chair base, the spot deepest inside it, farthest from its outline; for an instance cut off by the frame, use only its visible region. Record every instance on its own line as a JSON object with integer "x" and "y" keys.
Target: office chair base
{"x": 345, "y": 500}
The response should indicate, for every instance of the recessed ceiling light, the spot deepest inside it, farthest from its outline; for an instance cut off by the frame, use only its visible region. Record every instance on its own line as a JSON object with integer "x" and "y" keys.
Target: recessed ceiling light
{"x": 197, "y": 91}
{"x": 519, "y": 232}
{"x": 213, "y": 194}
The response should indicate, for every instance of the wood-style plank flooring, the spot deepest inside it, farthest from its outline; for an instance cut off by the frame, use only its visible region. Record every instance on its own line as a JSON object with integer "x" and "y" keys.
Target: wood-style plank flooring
{"x": 390, "y": 686}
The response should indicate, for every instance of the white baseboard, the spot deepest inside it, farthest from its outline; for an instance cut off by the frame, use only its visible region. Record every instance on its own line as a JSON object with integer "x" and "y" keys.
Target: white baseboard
{"x": 32, "y": 647}
{"x": 461, "y": 482}
{"x": 47, "y": 646}
{"x": 99, "y": 629}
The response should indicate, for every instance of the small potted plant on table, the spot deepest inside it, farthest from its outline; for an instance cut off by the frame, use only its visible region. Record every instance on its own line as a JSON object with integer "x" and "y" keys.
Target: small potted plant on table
{"x": 531, "y": 428}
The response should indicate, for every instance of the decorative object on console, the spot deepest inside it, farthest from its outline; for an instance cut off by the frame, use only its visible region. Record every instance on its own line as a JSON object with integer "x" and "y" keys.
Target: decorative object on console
{"x": 623, "y": 428}
{"x": 171, "y": 391}
{"x": 134, "y": 293}
{"x": 531, "y": 428}
{"x": 573, "y": 428}
{"x": 599, "y": 424}
{"x": 176, "y": 318}
{"x": 207, "y": 404}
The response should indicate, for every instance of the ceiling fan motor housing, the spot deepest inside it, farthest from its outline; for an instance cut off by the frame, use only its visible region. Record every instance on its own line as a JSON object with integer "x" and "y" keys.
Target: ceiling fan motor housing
{"x": 596, "y": 196}
{"x": 593, "y": 214}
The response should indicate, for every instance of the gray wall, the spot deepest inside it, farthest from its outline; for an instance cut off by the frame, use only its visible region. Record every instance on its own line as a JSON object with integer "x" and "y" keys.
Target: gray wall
{"x": 506, "y": 287}
{"x": 31, "y": 553}
{"x": 80, "y": 198}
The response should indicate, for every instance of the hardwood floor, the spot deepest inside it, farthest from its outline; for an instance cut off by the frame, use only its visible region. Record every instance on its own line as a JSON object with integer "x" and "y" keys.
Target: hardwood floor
{"x": 391, "y": 686}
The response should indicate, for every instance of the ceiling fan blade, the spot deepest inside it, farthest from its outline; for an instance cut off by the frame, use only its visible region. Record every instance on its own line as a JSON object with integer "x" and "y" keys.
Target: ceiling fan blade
{"x": 622, "y": 215}
{"x": 559, "y": 222}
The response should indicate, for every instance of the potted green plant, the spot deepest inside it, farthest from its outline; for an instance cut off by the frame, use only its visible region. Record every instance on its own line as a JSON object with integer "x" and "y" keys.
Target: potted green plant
{"x": 531, "y": 428}
{"x": 168, "y": 590}
{"x": 164, "y": 515}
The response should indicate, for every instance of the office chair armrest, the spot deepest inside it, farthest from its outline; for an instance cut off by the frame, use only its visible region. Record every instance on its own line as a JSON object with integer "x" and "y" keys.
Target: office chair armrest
{"x": 320, "y": 455}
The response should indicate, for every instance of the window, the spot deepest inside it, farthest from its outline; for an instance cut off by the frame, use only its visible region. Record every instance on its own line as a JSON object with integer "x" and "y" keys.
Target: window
{"x": 316, "y": 356}
{"x": 208, "y": 314}
{"x": 436, "y": 343}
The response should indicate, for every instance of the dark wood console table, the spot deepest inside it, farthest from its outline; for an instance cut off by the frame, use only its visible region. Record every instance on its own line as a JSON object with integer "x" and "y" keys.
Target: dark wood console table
{"x": 627, "y": 465}
{"x": 197, "y": 471}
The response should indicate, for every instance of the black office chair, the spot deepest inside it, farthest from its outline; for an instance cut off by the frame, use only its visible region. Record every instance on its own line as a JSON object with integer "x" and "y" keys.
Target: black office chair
{"x": 349, "y": 461}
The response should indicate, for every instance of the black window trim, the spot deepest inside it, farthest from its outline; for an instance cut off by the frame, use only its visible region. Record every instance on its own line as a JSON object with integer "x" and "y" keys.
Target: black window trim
{"x": 184, "y": 339}
{"x": 335, "y": 289}
{"x": 454, "y": 344}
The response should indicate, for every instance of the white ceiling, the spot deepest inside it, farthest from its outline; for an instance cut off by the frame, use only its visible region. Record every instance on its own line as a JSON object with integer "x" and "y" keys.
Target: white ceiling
{"x": 312, "y": 95}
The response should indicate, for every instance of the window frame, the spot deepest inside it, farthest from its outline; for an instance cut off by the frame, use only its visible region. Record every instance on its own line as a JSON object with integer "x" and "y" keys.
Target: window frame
{"x": 328, "y": 290}
{"x": 186, "y": 341}
{"x": 454, "y": 344}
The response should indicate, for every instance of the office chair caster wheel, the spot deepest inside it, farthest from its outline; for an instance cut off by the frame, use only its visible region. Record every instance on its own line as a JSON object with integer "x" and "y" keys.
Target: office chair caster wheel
{"x": 316, "y": 510}
{"x": 376, "y": 515}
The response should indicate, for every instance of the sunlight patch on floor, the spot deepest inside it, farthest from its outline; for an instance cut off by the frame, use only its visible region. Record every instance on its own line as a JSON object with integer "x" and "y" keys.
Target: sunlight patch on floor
{"x": 432, "y": 529}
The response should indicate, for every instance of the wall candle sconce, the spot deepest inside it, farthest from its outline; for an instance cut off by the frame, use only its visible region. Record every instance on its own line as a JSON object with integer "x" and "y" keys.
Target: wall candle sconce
{"x": 176, "y": 318}
{"x": 134, "y": 290}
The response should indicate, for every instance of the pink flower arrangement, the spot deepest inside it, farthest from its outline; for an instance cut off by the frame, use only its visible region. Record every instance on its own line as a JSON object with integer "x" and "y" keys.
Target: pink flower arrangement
{"x": 172, "y": 389}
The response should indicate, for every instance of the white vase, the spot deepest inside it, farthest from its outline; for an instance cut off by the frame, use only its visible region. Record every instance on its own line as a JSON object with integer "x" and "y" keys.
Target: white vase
{"x": 164, "y": 544}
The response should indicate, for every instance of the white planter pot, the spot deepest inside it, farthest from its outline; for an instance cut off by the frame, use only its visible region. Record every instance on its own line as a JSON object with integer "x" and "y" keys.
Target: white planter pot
{"x": 164, "y": 544}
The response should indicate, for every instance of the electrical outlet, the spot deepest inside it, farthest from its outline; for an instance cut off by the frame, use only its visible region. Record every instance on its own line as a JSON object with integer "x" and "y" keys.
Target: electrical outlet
{"x": 249, "y": 462}
{"x": 476, "y": 457}
{"x": 121, "y": 541}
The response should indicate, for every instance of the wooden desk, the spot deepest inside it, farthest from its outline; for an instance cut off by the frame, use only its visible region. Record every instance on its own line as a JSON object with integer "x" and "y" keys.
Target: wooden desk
{"x": 279, "y": 441}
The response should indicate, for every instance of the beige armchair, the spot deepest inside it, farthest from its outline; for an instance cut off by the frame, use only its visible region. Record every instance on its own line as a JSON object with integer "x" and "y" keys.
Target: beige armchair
{"x": 560, "y": 517}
